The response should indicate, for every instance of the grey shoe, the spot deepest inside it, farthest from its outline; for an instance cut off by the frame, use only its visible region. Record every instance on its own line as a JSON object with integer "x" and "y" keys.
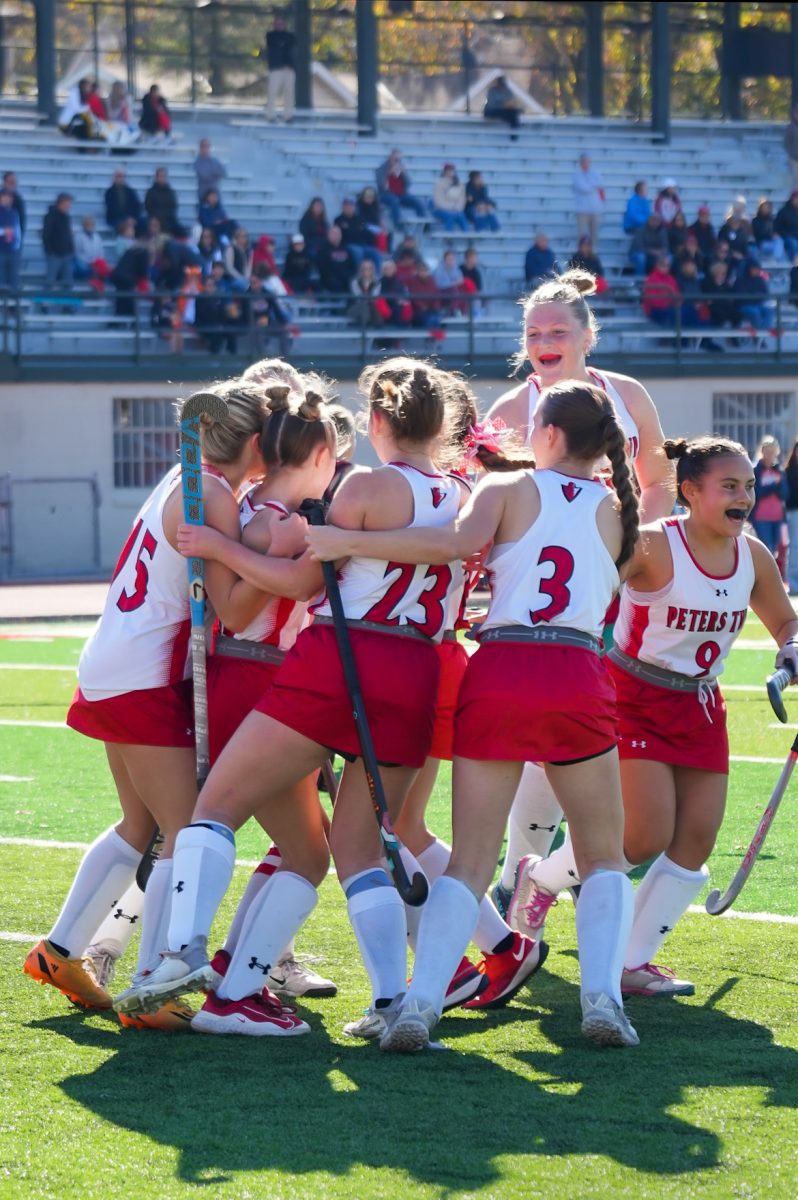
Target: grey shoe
{"x": 370, "y": 1026}
{"x": 407, "y": 1026}
{"x": 605, "y": 1023}
{"x": 186, "y": 970}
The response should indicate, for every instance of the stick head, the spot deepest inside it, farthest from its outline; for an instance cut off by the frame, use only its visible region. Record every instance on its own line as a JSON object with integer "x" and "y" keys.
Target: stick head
{"x": 417, "y": 892}
{"x": 714, "y": 903}
{"x": 203, "y": 402}
{"x": 776, "y": 683}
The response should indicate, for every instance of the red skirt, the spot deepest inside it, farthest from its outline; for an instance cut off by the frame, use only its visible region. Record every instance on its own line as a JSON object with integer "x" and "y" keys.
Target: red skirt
{"x": 235, "y": 686}
{"x": 454, "y": 663}
{"x": 528, "y": 702}
{"x": 161, "y": 716}
{"x": 661, "y": 725}
{"x": 398, "y": 679}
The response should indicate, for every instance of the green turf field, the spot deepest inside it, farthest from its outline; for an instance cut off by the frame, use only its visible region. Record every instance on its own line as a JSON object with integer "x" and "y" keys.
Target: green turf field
{"x": 517, "y": 1105}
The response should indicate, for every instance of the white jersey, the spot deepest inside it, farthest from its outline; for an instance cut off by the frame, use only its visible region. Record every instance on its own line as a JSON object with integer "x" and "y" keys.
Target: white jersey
{"x": 280, "y": 620}
{"x": 560, "y": 573}
{"x": 689, "y": 625}
{"x": 627, "y": 421}
{"x": 142, "y": 638}
{"x": 461, "y": 584}
{"x": 394, "y": 593}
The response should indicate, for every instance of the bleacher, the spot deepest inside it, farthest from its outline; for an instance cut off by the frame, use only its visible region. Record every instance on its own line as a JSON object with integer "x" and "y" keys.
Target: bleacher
{"x": 273, "y": 170}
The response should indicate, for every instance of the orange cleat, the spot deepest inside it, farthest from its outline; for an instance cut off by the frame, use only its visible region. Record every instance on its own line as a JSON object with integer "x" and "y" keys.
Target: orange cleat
{"x": 170, "y": 1016}
{"x": 74, "y": 977}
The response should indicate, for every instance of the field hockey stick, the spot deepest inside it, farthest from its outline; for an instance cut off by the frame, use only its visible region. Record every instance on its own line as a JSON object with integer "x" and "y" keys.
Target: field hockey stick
{"x": 413, "y": 891}
{"x": 716, "y": 904}
{"x": 193, "y": 514}
{"x": 776, "y": 683}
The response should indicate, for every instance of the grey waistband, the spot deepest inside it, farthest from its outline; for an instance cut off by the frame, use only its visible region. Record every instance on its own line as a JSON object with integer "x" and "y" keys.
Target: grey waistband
{"x": 375, "y": 627}
{"x": 229, "y": 647}
{"x": 658, "y": 675}
{"x": 554, "y": 635}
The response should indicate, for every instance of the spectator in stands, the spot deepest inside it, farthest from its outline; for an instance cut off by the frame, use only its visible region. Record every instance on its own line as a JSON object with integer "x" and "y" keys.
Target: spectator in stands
{"x": 369, "y": 211}
{"x": 393, "y": 189}
{"x": 209, "y": 171}
{"x": 336, "y": 264}
{"x": 394, "y": 302}
{"x": 118, "y": 106}
{"x": 751, "y": 286}
{"x": 480, "y": 210}
{"x": 690, "y": 252}
{"x": 424, "y": 298}
{"x": 694, "y": 310}
{"x": 210, "y": 319}
{"x": 263, "y": 253}
{"x": 121, "y": 201}
{"x": 723, "y": 254}
{"x": 10, "y": 243}
{"x": 733, "y": 231}
{"x": 704, "y": 231}
{"x": 772, "y": 489}
{"x": 75, "y": 118}
{"x": 237, "y": 257}
{"x": 638, "y": 208}
{"x": 125, "y": 238}
{"x": 719, "y": 296}
{"x": 661, "y": 295}
{"x": 501, "y": 104}
{"x": 209, "y": 251}
{"x": 791, "y": 145}
{"x": 314, "y": 226}
{"x": 17, "y": 202}
{"x": 448, "y": 199}
{"x": 786, "y": 226}
{"x": 355, "y": 234}
{"x": 408, "y": 245}
{"x": 648, "y": 243}
{"x": 266, "y": 317}
{"x": 407, "y": 261}
{"x": 212, "y": 215}
{"x": 280, "y": 50}
{"x": 540, "y": 262}
{"x": 668, "y": 203}
{"x": 589, "y": 197}
{"x": 155, "y": 120}
{"x": 130, "y": 275}
{"x": 90, "y": 261}
{"x": 274, "y": 285}
{"x": 739, "y": 208}
{"x": 471, "y": 270}
{"x": 586, "y": 257}
{"x": 97, "y": 104}
{"x": 58, "y": 242}
{"x": 449, "y": 281}
{"x": 298, "y": 271}
{"x": 160, "y": 201}
{"x": 678, "y": 233}
{"x": 768, "y": 244}
{"x": 365, "y": 288}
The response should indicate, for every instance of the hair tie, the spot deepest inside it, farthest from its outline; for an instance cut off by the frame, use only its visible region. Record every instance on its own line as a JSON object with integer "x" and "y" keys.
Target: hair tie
{"x": 486, "y": 435}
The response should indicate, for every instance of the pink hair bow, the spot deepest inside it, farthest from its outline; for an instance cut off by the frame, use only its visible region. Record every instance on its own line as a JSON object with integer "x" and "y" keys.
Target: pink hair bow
{"x": 487, "y": 435}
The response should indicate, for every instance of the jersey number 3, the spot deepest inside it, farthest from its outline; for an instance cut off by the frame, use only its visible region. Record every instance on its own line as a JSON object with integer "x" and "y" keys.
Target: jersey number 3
{"x": 129, "y": 603}
{"x": 555, "y": 585}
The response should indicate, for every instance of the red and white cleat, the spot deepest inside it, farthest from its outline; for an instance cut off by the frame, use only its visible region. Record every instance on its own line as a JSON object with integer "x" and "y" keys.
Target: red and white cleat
{"x": 260, "y": 1015}
{"x": 509, "y": 971}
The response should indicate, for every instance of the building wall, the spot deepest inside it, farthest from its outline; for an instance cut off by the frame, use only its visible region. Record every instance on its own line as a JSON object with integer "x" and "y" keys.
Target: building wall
{"x": 52, "y": 431}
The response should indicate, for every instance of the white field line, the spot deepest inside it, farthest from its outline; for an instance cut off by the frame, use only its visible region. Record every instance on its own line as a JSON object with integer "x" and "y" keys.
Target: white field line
{"x": 36, "y": 667}
{"x": 35, "y": 724}
{"x": 751, "y": 758}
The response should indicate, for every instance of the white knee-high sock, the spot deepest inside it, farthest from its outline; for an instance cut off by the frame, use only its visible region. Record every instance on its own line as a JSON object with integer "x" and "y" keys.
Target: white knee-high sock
{"x": 450, "y": 915}
{"x": 490, "y": 928}
{"x": 256, "y": 882}
{"x": 603, "y": 921}
{"x": 378, "y": 918}
{"x": 534, "y": 820}
{"x": 117, "y": 928}
{"x": 106, "y": 872}
{"x": 558, "y": 871}
{"x": 201, "y": 872}
{"x": 155, "y": 921}
{"x": 662, "y": 898}
{"x": 271, "y": 920}
{"x": 413, "y": 911}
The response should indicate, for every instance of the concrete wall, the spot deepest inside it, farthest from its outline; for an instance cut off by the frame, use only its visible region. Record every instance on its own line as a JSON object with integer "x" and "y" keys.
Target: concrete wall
{"x": 52, "y": 431}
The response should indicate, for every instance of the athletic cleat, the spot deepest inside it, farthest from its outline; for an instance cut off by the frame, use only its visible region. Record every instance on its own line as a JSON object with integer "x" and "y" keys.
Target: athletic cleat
{"x": 467, "y": 983}
{"x": 605, "y": 1023}
{"x": 180, "y": 971}
{"x": 290, "y": 977}
{"x": 407, "y": 1026}
{"x": 103, "y": 961}
{"x": 221, "y": 961}
{"x": 259, "y": 1015}
{"x": 530, "y": 903}
{"x": 651, "y": 980}
{"x": 501, "y": 897}
{"x": 73, "y": 977}
{"x": 371, "y": 1025}
{"x": 170, "y": 1017}
{"x": 508, "y": 972}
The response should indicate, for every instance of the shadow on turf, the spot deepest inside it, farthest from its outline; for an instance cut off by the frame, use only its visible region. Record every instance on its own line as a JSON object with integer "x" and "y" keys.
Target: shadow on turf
{"x": 231, "y": 1105}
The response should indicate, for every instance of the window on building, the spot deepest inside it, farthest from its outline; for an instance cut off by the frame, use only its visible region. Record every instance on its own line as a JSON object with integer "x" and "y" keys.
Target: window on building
{"x": 747, "y": 417}
{"x": 145, "y": 440}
